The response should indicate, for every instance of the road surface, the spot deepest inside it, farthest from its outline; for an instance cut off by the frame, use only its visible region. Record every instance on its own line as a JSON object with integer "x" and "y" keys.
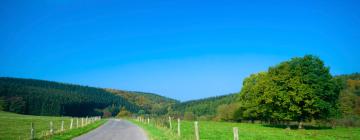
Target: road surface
{"x": 115, "y": 129}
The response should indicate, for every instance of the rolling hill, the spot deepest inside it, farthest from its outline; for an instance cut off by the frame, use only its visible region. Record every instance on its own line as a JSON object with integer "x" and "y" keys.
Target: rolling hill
{"x": 206, "y": 107}
{"x": 39, "y": 97}
{"x": 149, "y": 102}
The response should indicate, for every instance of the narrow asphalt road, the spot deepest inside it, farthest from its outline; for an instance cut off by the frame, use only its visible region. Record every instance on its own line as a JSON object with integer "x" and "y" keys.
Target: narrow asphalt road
{"x": 115, "y": 129}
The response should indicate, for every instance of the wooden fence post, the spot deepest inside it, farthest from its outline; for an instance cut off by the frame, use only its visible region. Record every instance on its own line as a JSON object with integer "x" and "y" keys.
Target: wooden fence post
{"x": 77, "y": 122}
{"x": 178, "y": 126}
{"x": 51, "y": 128}
{"x": 236, "y": 133}
{"x": 196, "y": 131}
{"x": 170, "y": 122}
{"x": 82, "y": 122}
{"x": 71, "y": 123}
{"x": 62, "y": 125}
{"x": 32, "y": 133}
{"x": 148, "y": 120}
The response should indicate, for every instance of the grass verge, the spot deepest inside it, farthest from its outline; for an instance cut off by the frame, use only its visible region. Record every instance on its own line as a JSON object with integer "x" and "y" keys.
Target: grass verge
{"x": 77, "y": 132}
{"x": 17, "y": 127}
{"x": 155, "y": 132}
{"x": 210, "y": 130}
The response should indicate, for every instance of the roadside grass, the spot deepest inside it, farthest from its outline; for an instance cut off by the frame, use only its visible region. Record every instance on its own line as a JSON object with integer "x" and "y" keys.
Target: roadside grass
{"x": 210, "y": 130}
{"x": 155, "y": 132}
{"x": 17, "y": 127}
{"x": 77, "y": 132}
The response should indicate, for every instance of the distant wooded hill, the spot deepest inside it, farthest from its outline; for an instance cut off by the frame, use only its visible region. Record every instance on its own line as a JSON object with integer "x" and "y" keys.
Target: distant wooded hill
{"x": 349, "y": 97}
{"x": 202, "y": 108}
{"x": 38, "y": 97}
{"x": 149, "y": 102}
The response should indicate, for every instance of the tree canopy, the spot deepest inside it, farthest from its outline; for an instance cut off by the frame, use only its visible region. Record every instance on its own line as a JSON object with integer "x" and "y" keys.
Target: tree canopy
{"x": 296, "y": 90}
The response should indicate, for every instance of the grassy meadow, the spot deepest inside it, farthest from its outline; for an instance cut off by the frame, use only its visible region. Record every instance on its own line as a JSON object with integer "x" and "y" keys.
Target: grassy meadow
{"x": 210, "y": 130}
{"x": 17, "y": 127}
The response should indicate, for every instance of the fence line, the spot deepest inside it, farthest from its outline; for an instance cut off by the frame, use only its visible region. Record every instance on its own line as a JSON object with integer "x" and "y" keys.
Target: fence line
{"x": 45, "y": 134}
{"x": 167, "y": 123}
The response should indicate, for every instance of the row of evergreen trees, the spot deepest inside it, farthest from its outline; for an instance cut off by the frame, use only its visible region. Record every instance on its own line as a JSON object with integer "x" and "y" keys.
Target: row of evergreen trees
{"x": 37, "y": 97}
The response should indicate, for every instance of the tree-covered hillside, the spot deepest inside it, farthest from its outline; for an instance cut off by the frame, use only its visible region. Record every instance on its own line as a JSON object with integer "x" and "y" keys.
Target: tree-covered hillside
{"x": 349, "y": 98}
{"x": 202, "y": 108}
{"x": 38, "y": 97}
{"x": 151, "y": 103}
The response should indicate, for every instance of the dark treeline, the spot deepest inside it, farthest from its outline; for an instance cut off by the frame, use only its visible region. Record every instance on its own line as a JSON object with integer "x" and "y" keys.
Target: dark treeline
{"x": 38, "y": 97}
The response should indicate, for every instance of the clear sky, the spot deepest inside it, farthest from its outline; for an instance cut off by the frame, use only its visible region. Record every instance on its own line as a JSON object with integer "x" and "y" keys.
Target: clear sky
{"x": 184, "y": 49}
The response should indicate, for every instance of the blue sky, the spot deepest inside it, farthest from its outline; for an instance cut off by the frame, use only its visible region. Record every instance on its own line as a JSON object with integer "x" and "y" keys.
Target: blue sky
{"x": 183, "y": 49}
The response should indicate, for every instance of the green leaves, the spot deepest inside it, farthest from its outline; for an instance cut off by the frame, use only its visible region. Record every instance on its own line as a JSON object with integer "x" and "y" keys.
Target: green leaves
{"x": 299, "y": 89}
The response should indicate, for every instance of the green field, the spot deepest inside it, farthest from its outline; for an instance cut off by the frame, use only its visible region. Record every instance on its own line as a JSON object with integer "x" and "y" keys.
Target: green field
{"x": 16, "y": 126}
{"x": 210, "y": 130}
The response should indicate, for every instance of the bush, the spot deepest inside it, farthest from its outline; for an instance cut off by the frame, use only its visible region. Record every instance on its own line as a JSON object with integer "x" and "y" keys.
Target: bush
{"x": 189, "y": 116}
